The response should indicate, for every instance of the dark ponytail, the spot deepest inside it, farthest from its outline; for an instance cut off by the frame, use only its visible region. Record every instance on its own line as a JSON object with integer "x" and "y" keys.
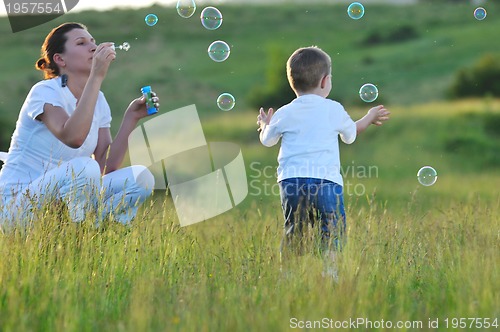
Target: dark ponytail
{"x": 54, "y": 43}
{"x": 41, "y": 64}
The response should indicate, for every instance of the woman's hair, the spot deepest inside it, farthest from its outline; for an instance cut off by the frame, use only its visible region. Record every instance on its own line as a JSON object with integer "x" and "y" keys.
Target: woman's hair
{"x": 54, "y": 43}
{"x": 306, "y": 67}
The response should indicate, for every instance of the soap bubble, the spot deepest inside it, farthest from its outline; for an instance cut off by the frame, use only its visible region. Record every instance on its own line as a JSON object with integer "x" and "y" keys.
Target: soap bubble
{"x": 368, "y": 93}
{"x": 226, "y": 101}
{"x": 480, "y": 13}
{"x": 356, "y": 10}
{"x": 211, "y": 18}
{"x": 427, "y": 176}
{"x": 219, "y": 51}
{"x": 186, "y": 8}
{"x": 151, "y": 19}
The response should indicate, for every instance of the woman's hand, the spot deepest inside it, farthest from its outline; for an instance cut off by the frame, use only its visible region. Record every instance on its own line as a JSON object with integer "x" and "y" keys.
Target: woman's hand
{"x": 137, "y": 108}
{"x": 103, "y": 55}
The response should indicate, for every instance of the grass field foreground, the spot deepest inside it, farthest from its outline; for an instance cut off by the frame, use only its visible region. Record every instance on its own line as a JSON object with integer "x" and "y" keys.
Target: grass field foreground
{"x": 226, "y": 275}
{"x": 414, "y": 253}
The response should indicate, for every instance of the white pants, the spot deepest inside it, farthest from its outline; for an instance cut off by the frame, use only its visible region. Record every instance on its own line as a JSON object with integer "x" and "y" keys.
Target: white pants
{"x": 79, "y": 184}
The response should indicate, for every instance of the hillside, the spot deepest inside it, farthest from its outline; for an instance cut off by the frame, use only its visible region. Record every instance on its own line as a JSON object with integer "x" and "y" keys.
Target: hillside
{"x": 410, "y": 52}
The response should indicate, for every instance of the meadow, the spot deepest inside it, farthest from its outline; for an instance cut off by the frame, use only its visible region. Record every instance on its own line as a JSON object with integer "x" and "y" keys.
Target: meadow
{"x": 415, "y": 255}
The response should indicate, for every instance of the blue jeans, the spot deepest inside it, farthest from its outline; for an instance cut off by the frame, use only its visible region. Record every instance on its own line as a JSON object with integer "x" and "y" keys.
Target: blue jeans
{"x": 307, "y": 200}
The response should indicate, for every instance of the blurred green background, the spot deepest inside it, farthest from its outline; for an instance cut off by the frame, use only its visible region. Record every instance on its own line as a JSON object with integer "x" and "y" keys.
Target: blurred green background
{"x": 413, "y": 53}
{"x": 437, "y": 69}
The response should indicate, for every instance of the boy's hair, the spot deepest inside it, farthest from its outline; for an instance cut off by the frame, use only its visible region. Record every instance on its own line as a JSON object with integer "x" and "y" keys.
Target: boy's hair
{"x": 306, "y": 67}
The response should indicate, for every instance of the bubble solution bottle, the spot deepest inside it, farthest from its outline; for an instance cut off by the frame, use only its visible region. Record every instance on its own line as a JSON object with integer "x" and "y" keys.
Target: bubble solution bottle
{"x": 146, "y": 92}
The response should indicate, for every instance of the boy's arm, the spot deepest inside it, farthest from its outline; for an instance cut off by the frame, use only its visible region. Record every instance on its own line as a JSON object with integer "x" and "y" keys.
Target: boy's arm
{"x": 376, "y": 115}
{"x": 267, "y": 136}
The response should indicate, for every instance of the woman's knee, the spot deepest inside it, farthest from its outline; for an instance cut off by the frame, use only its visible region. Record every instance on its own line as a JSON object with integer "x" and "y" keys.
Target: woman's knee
{"x": 85, "y": 169}
{"x": 143, "y": 177}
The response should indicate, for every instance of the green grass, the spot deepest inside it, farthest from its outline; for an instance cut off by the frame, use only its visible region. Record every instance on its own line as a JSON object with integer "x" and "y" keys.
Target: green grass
{"x": 224, "y": 274}
{"x": 414, "y": 253}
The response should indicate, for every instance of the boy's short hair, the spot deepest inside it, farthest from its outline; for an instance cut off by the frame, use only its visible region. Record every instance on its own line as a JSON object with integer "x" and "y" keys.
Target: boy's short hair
{"x": 306, "y": 67}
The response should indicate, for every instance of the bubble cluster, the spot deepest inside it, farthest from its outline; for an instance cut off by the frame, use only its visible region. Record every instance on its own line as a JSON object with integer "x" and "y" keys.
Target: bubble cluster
{"x": 356, "y": 10}
{"x": 368, "y": 93}
{"x": 480, "y": 13}
{"x": 226, "y": 101}
{"x": 186, "y": 8}
{"x": 211, "y": 18}
{"x": 124, "y": 46}
{"x": 427, "y": 176}
{"x": 219, "y": 51}
{"x": 151, "y": 19}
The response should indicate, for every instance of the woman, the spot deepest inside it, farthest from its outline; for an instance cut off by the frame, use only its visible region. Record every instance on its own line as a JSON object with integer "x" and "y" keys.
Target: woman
{"x": 64, "y": 121}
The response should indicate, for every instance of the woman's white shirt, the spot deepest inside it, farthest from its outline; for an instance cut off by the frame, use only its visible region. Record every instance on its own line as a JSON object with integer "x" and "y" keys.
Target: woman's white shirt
{"x": 34, "y": 149}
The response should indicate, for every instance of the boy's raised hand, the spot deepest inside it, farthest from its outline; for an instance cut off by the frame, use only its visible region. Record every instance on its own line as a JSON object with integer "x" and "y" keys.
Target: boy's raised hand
{"x": 378, "y": 114}
{"x": 264, "y": 119}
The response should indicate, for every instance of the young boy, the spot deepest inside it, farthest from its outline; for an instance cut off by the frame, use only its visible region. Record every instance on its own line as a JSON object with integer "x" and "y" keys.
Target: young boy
{"x": 309, "y": 162}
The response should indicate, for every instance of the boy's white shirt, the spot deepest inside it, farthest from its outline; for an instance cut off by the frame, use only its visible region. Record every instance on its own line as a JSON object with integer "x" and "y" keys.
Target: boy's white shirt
{"x": 309, "y": 128}
{"x": 34, "y": 149}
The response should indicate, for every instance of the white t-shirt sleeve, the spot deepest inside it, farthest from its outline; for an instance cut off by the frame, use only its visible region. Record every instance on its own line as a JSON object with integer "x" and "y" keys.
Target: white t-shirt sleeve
{"x": 40, "y": 95}
{"x": 272, "y": 132}
{"x": 347, "y": 128}
{"x": 105, "y": 112}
